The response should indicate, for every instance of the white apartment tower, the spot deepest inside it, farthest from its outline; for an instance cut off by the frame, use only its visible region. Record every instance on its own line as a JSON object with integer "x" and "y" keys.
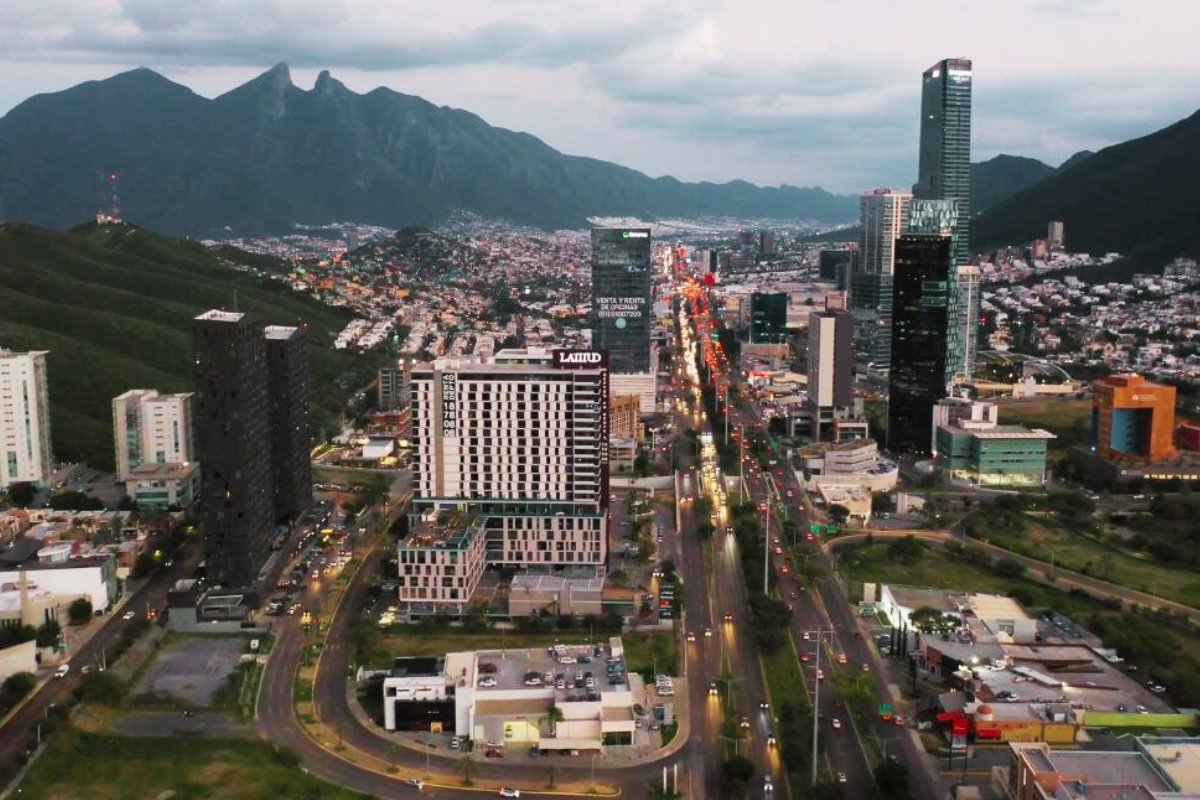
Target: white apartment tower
{"x": 521, "y": 439}
{"x": 24, "y": 418}
{"x": 151, "y": 428}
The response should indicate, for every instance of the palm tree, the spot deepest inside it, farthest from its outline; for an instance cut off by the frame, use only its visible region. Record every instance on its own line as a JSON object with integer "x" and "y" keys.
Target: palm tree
{"x": 465, "y": 767}
{"x": 554, "y": 715}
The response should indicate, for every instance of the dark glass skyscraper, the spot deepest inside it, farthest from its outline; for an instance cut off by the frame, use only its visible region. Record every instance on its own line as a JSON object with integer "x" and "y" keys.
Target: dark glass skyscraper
{"x": 925, "y": 331}
{"x": 233, "y": 430}
{"x": 768, "y": 317}
{"x": 287, "y": 391}
{"x": 944, "y": 167}
{"x": 621, "y": 297}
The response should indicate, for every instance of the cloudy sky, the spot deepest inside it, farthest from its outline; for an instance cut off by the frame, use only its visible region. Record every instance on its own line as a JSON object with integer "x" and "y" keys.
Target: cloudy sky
{"x": 773, "y": 91}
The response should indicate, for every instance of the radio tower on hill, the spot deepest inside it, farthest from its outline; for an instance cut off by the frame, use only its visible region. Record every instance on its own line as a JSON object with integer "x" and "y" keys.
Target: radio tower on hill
{"x": 110, "y": 205}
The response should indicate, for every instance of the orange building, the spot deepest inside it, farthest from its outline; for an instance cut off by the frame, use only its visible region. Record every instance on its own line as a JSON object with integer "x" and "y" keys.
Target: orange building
{"x": 1133, "y": 419}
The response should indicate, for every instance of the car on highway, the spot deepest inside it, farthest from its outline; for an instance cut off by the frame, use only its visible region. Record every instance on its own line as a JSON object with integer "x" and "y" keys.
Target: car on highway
{"x": 807, "y": 636}
{"x": 771, "y": 741}
{"x": 708, "y": 633}
{"x": 841, "y": 659}
{"x": 768, "y": 785}
{"x": 691, "y": 636}
{"x": 836, "y": 723}
{"x": 805, "y": 657}
{"x": 128, "y": 615}
{"x": 820, "y": 675}
{"x": 712, "y": 687}
{"x": 745, "y": 723}
{"x": 729, "y": 617}
{"x": 841, "y": 777}
{"x": 62, "y": 671}
{"x": 416, "y": 783}
{"x": 866, "y": 668}
{"x": 508, "y": 791}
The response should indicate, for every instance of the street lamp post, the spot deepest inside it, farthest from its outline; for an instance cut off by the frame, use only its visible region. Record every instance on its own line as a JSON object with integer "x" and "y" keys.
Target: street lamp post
{"x": 816, "y": 703}
{"x": 767, "y": 547}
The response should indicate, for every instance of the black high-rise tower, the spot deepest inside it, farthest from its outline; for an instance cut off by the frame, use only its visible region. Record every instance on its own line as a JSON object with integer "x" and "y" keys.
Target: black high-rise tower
{"x": 287, "y": 391}
{"x": 233, "y": 427}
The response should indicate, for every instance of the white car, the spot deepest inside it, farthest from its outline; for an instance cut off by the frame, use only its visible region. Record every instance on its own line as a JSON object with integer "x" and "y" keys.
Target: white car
{"x": 837, "y": 724}
{"x": 768, "y": 785}
{"x": 128, "y": 615}
{"x": 841, "y": 777}
{"x": 62, "y": 671}
{"x": 416, "y": 783}
{"x": 508, "y": 791}
{"x": 691, "y": 637}
{"x": 487, "y": 682}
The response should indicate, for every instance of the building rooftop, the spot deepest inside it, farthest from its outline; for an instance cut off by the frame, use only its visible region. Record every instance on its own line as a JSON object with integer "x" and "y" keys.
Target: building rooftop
{"x": 220, "y": 315}
{"x": 450, "y": 529}
{"x": 1013, "y": 432}
{"x": 152, "y": 471}
{"x": 280, "y": 332}
{"x": 556, "y": 583}
{"x": 418, "y": 667}
{"x": 1178, "y": 758}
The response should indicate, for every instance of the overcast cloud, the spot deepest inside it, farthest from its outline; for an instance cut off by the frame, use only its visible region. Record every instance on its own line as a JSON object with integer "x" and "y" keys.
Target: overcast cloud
{"x": 772, "y": 91}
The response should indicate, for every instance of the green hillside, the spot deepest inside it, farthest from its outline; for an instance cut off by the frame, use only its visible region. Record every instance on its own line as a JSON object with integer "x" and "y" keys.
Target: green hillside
{"x": 114, "y": 306}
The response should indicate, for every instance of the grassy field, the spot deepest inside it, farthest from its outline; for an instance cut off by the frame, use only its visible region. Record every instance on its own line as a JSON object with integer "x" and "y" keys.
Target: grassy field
{"x": 1076, "y": 552}
{"x": 870, "y": 564}
{"x": 95, "y": 766}
{"x": 1069, "y": 419}
{"x": 786, "y": 687}
{"x": 114, "y": 306}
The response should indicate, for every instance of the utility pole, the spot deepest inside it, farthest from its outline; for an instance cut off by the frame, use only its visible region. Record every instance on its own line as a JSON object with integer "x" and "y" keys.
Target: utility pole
{"x": 817, "y": 702}
{"x": 767, "y": 546}
{"x": 741, "y": 459}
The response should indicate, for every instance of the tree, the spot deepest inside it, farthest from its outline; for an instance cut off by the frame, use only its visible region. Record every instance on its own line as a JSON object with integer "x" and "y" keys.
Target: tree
{"x": 738, "y": 769}
{"x": 554, "y": 715}
{"x": 908, "y": 550}
{"x": 14, "y": 688}
{"x": 22, "y": 493}
{"x": 143, "y": 565}
{"x": 104, "y": 688}
{"x": 48, "y": 633}
{"x": 80, "y": 611}
{"x": 465, "y": 767}
{"x": 892, "y": 779}
{"x": 839, "y": 513}
{"x": 619, "y": 578}
{"x": 72, "y": 500}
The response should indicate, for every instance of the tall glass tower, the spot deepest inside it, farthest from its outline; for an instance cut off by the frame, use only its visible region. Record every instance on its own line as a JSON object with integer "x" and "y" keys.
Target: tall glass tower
{"x": 944, "y": 167}
{"x": 621, "y": 297}
{"x": 925, "y": 331}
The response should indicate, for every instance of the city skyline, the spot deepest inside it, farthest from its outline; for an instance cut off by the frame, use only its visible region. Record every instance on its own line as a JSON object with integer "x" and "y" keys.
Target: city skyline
{"x": 637, "y": 85}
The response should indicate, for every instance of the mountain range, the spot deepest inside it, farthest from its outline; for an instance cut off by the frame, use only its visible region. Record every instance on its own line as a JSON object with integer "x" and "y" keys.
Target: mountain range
{"x": 114, "y": 306}
{"x": 267, "y": 155}
{"x": 1137, "y": 198}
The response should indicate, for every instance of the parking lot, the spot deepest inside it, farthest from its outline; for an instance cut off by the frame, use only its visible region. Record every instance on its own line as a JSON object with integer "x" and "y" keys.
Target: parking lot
{"x": 192, "y": 669}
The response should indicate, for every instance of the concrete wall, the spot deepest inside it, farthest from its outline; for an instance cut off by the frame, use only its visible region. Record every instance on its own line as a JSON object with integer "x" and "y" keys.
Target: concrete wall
{"x": 18, "y": 658}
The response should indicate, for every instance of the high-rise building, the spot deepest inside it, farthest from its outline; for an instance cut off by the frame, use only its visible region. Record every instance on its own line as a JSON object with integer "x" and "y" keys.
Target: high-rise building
{"x": 24, "y": 418}
{"x": 925, "y": 331}
{"x": 940, "y": 218}
{"x": 884, "y": 218}
{"x": 521, "y": 440}
{"x": 393, "y": 385}
{"x": 834, "y": 266}
{"x": 234, "y": 444}
{"x": 944, "y": 163}
{"x": 291, "y": 436}
{"x": 830, "y": 366}
{"x": 1133, "y": 419}
{"x": 768, "y": 317}
{"x": 621, "y": 297}
{"x": 766, "y": 243}
{"x": 1056, "y": 235}
{"x": 151, "y": 428}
